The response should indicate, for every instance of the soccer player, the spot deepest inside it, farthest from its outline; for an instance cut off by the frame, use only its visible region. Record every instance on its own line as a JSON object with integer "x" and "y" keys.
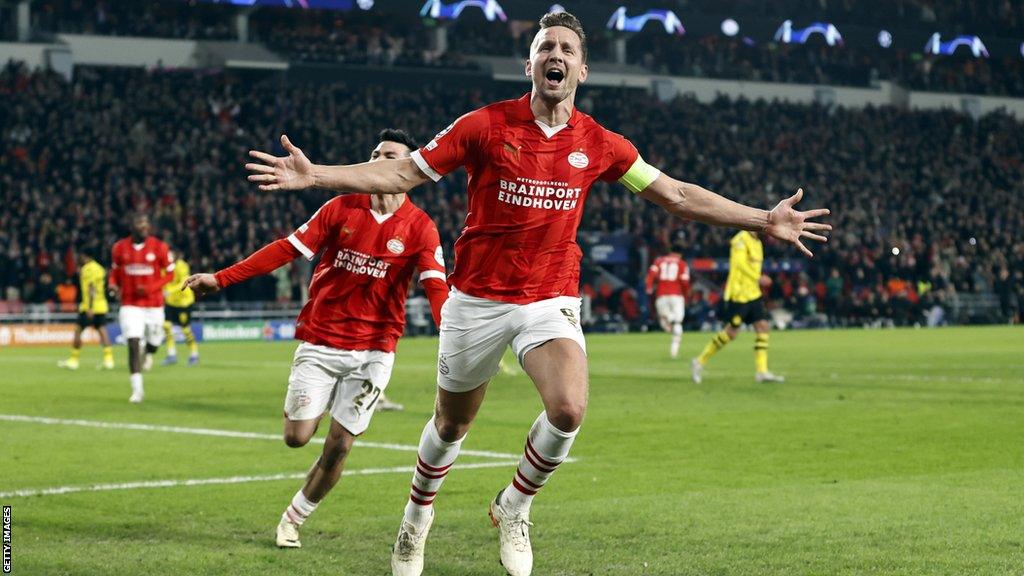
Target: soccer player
{"x": 91, "y": 312}
{"x": 742, "y": 304}
{"x": 531, "y": 163}
{"x": 352, "y": 322}
{"x": 668, "y": 280}
{"x": 178, "y": 310}
{"x": 141, "y": 265}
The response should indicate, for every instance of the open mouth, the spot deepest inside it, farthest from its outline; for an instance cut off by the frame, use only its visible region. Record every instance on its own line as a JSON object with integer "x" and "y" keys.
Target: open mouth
{"x": 554, "y": 77}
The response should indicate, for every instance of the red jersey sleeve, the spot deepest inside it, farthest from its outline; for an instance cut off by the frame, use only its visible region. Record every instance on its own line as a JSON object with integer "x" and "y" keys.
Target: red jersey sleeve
{"x": 619, "y": 156}
{"x": 684, "y": 277}
{"x": 652, "y": 275}
{"x": 430, "y": 262}
{"x": 309, "y": 238}
{"x": 114, "y": 278}
{"x": 457, "y": 145}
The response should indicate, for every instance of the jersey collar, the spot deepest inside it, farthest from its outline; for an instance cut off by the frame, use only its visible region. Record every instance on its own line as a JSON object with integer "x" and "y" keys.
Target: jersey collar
{"x": 524, "y": 113}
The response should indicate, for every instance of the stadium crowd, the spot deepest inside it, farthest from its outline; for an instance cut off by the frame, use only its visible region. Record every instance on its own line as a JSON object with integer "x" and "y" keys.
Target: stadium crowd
{"x": 404, "y": 39}
{"x": 926, "y": 204}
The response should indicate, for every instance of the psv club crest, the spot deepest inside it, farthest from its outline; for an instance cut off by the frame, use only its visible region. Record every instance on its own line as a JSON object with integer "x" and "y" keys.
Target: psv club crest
{"x": 396, "y": 246}
{"x": 578, "y": 160}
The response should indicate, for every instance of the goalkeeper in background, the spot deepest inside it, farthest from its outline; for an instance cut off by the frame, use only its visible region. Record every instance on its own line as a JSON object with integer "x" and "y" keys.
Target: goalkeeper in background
{"x": 743, "y": 304}
{"x": 178, "y": 301}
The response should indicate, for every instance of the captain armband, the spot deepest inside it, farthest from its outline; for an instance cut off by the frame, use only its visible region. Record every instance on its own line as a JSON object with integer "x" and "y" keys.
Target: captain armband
{"x": 639, "y": 176}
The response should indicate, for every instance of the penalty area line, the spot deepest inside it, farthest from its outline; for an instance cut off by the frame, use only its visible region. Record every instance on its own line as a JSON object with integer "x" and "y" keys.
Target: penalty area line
{"x": 228, "y": 434}
{"x": 228, "y": 480}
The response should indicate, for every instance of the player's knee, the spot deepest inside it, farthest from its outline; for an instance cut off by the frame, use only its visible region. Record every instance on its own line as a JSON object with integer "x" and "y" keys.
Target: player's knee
{"x": 295, "y": 440}
{"x": 450, "y": 428}
{"x": 568, "y": 415}
{"x": 297, "y": 437}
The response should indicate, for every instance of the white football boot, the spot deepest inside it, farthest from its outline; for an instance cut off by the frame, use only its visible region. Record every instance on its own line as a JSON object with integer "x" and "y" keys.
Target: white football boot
{"x": 768, "y": 377}
{"x": 386, "y": 405}
{"x": 288, "y": 534}
{"x": 696, "y": 371}
{"x": 407, "y": 555}
{"x": 514, "y": 538}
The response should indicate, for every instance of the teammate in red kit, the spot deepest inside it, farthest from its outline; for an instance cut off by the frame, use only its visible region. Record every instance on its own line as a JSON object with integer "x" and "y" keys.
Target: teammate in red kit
{"x": 668, "y": 281}
{"x": 531, "y": 163}
{"x": 352, "y": 322}
{"x": 141, "y": 265}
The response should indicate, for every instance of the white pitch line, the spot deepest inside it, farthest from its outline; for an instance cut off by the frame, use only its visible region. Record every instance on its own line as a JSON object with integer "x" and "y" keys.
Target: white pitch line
{"x": 226, "y": 434}
{"x": 229, "y": 480}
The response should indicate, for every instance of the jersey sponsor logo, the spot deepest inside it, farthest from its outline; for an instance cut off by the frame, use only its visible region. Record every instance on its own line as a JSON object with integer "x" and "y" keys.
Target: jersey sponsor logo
{"x": 578, "y": 160}
{"x": 396, "y": 246}
{"x": 546, "y": 194}
{"x": 139, "y": 269}
{"x": 439, "y": 256}
{"x": 360, "y": 263}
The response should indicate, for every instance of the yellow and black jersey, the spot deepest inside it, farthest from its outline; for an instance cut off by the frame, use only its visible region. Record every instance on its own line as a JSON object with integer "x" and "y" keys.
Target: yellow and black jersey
{"x": 173, "y": 294}
{"x": 92, "y": 283}
{"x": 746, "y": 254}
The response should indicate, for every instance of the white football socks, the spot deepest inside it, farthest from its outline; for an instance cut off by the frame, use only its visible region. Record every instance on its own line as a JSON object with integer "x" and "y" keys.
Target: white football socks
{"x": 299, "y": 509}
{"x": 433, "y": 461}
{"x": 546, "y": 448}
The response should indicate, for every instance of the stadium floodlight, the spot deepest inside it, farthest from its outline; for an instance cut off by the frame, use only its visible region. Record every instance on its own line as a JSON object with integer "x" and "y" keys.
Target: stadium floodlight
{"x": 789, "y": 35}
{"x": 671, "y": 22}
{"x": 730, "y": 27}
{"x": 439, "y": 10}
{"x": 935, "y": 45}
{"x": 885, "y": 39}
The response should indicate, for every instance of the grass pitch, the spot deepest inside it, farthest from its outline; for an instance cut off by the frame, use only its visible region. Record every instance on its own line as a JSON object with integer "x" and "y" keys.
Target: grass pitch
{"x": 885, "y": 452}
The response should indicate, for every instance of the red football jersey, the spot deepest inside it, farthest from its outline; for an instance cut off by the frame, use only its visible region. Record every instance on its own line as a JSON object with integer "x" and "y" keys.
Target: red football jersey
{"x": 526, "y": 191}
{"x": 141, "y": 271}
{"x": 357, "y": 295}
{"x": 671, "y": 274}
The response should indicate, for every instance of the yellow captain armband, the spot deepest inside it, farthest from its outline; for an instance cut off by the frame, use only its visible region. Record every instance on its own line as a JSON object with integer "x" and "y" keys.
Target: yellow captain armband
{"x": 639, "y": 176}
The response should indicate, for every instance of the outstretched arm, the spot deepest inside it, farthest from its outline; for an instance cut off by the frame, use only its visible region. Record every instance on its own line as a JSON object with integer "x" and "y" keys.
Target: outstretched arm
{"x": 263, "y": 261}
{"x": 296, "y": 172}
{"x": 692, "y": 202}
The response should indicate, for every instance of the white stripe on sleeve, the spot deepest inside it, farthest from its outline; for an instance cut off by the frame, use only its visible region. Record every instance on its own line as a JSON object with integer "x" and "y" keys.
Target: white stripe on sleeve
{"x": 422, "y": 163}
{"x": 301, "y": 247}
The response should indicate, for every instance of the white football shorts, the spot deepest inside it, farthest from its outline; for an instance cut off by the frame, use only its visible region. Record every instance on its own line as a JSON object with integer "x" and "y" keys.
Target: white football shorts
{"x": 349, "y": 382}
{"x": 139, "y": 322}
{"x": 670, "y": 309}
{"x": 476, "y": 331}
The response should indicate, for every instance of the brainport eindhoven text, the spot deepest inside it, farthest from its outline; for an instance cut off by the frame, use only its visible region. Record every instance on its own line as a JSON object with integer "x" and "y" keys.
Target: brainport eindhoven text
{"x": 539, "y": 194}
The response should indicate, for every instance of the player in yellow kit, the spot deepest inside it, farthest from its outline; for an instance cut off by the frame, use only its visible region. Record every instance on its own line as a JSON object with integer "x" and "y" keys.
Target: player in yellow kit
{"x": 92, "y": 311}
{"x": 744, "y": 304}
{"x": 178, "y": 310}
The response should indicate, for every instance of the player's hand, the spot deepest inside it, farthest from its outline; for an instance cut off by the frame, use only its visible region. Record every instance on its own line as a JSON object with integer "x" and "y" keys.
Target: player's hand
{"x": 89, "y": 316}
{"x": 202, "y": 284}
{"x": 790, "y": 225}
{"x": 292, "y": 172}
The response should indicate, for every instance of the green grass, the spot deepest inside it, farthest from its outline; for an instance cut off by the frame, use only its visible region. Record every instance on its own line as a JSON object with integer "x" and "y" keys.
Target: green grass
{"x": 885, "y": 452}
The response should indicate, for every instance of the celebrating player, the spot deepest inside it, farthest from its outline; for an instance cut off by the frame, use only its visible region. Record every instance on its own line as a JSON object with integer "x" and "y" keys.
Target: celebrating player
{"x": 531, "y": 163}
{"x": 352, "y": 321}
{"x": 179, "y": 299}
{"x": 91, "y": 312}
{"x": 140, "y": 267}
{"x": 668, "y": 281}
{"x": 743, "y": 304}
